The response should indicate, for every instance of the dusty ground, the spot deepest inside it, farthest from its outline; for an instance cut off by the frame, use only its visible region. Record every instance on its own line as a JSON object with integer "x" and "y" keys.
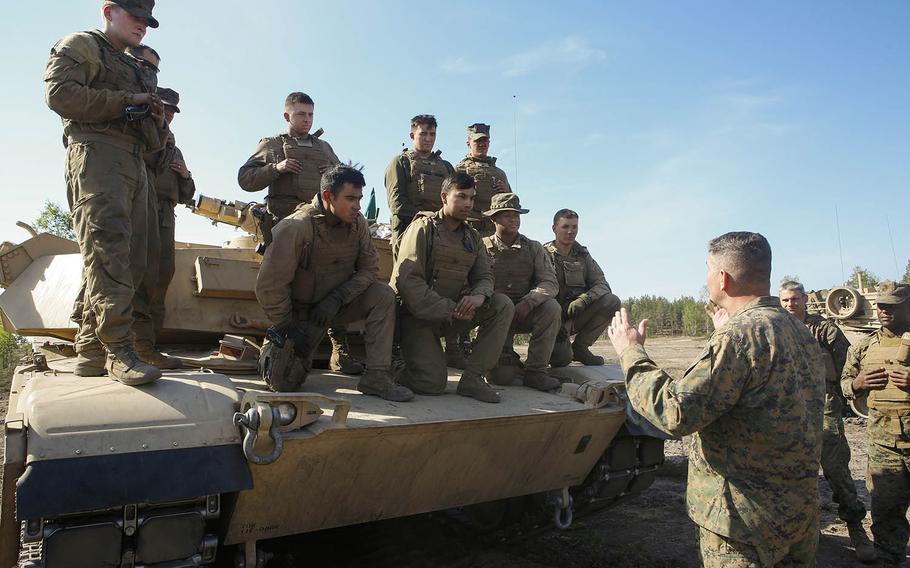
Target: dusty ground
{"x": 650, "y": 530}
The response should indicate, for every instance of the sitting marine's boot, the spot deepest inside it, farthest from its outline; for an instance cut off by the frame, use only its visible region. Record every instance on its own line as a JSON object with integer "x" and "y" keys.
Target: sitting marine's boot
{"x": 341, "y": 360}
{"x": 508, "y": 371}
{"x": 562, "y": 354}
{"x": 379, "y": 383}
{"x": 865, "y": 552}
{"x": 455, "y": 355}
{"x": 473, "y": 385}
{"x": 158, "y": 359}
{"x": 124, "y": 365}
{"x": 540, "y": 380}
{"x": 90, "y": 363}
{"x": 582, "y": 354}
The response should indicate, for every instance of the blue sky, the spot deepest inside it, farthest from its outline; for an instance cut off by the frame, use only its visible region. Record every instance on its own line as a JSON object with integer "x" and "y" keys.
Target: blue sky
{"x": 663, "y": 123}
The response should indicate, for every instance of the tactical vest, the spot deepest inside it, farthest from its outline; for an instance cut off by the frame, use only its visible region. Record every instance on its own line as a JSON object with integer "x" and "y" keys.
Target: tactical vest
{"x": 118, "y": 72}
{"x": 305, "y": 185}
{"x": 513, "y": 268}
{"x": 484, "y": 172}
{"x": 883, "y": 356}
{"x": 329, "y": 260}
{"x": 427, "y": 175}
{"x": 451, "y": 261}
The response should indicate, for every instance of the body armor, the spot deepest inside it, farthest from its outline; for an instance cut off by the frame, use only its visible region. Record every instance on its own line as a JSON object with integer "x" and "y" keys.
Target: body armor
{"x": 328, "y": 261}
{"x": 452, "y": 262}
{"x": 305, "y": 185}
{"x": 513, "y": 267}
{"x": 884, "y": 355}
{"x": 427, "y": 175}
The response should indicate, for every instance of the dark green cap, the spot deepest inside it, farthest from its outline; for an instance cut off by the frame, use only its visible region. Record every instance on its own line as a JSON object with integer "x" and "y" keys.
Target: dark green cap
{"x": 478, "y": 130}
{"x": 892, "y": 293}
{"x": 169, "y": 97}
{"x": 139, "y": 9}
{"x": 504, "y": 202}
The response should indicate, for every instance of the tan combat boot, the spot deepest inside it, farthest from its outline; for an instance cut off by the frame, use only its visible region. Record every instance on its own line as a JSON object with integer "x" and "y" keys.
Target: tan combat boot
{"x": 379, "y": 383}
{"x": 90, "y": 363}
{"x": 865, "y": 552}
{"x": 473, "y": 385}
{"x": 158, "y": 359}
{"x": 124, "y": 365}
{"x": 540, "y": 380}
{"x": 583, "y": 355}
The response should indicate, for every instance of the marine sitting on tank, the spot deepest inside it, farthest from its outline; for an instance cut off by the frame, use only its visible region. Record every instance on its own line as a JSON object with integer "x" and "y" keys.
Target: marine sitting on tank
{"x": 442, "y": 275}
{"x": 523, "y": 271}
{"x": 321, "y": 269}
{"x": 587, "y": 302}
{"x": 489, "y": 179}
{"x": 878, "y": 369}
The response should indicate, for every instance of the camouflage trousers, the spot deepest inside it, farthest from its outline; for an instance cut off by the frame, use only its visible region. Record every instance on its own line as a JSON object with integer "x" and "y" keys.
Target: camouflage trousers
{"x": 543, "y": 324}
{"x": 591, "y": 323}
{"x": 425, "y": 364}
{"x": 148, "y": 304}
{"x": 107, "y": 187}
{"x": 835, "y": 462}
{"x": 718, "y": 551}
{"x": 888, "y": 480}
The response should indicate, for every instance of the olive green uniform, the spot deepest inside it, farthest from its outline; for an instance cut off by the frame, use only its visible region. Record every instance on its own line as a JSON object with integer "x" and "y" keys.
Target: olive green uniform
{"x": 888, "y": 474}
{"x": 89, "y": 83}
{"x": 835, "y": 458}
{"x": 308, "y": 260}
{"x": 580, "y": 277}
{"x": 435, "y": 267}
{"x": 485, "y": 173}
{"x": 753, "y": 404}
{"x": 524, "y": 271}
{"x": 413, "y": 183}
{"x": 287, "y": 190}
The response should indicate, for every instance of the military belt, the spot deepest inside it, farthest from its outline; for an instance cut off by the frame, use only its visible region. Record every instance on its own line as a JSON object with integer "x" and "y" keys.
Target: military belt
{"x": 131, "y": 147}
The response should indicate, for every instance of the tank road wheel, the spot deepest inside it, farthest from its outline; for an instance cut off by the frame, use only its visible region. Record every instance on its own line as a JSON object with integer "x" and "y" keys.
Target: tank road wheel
{"x": 843, "y": 303}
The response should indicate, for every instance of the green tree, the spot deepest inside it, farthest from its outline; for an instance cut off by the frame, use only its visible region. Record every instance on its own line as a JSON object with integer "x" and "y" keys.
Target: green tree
{"x": 906, "y": 278}
{"x": 862, "y": 276}
{"x": 56, "y": 221}
{"x": 790, "y": 278}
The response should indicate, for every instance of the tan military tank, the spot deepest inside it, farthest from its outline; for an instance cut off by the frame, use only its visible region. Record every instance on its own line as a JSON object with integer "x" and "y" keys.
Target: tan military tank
{"x": 853, "y": 309}
{"x": 96, "y": 473}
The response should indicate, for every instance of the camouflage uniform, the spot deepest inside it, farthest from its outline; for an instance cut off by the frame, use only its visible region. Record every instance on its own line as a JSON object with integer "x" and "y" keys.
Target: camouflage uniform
{"x": 580, "y": 277}
{"x": 484, "y": 171}
{"x": 89, "y": 83}
{"x": 835, "y": 460}
{"x": 310, "y": 260}
{"x": 413, "y": 183}
{"x": 753, "y": 402}
{"x": 888, "y": 473}
{"x": 286, "y": 191}
{"x": 434, "y": 269}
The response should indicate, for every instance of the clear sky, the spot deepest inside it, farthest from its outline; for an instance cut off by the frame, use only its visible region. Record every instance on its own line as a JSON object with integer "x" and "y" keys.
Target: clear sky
{"x": 663, "y": 123}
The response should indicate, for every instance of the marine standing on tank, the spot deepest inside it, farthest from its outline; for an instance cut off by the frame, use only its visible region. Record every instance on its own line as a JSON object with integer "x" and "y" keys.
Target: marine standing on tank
{"x": 291, "y": 166}
{"x": 111, "y": 118}
{"x": 443, "y": 277}
{"x": 321, "y": 269}
{"x": 835, "y": 458}
{"x": 878, "y": 367}
{"x": 523, "y": 271}
{"x": 489, "y": 178}
{"x": 587, "y": 302}
{"x": 753, "y": 402}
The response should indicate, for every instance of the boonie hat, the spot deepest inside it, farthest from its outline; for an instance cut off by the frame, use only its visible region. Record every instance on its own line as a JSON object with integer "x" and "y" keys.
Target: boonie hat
{"x": 504, "y": 202}
{"x": 478, "y": 130}
{"x": 169, "y": 97}
{"x": 891, "y": 293}
{"x": 140, "y": 9}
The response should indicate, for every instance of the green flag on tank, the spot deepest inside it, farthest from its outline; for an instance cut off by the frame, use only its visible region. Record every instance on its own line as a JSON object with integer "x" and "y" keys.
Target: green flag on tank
{"x": 372, "y": 211}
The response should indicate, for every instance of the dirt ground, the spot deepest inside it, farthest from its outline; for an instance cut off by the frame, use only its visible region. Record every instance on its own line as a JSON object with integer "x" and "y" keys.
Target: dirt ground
{"x": 649, "y": 530}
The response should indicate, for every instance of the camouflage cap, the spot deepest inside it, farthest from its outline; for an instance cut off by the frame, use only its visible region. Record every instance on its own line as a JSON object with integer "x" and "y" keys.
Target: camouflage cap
{"x": 139, "y": 9}
{"x": 504, "y": 202}
{"x": 892, "y": 293}
{"x": 169, "y": 97}
{"x": 478, "y": 130}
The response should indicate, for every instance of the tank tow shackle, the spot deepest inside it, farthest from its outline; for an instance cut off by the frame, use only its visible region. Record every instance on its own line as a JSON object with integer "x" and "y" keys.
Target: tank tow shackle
{"x": 562, "y": 510}
{"x": 249, "y": 423}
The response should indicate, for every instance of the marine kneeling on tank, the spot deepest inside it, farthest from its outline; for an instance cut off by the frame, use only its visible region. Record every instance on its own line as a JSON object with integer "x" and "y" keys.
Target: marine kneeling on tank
{"x": 523, "y": 271}
{"x": 442, "y": 275}
{"x": 322, "y": 270}
{"x": 587, "y": 302}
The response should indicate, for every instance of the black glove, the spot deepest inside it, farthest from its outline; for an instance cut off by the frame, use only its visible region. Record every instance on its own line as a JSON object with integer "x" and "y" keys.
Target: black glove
{"x": 576, "y": 307}
{"x": 325, "y": 311}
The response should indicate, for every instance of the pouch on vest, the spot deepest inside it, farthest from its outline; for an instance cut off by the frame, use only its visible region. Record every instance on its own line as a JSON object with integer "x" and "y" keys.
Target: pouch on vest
{"x": 452, "y": 264}
{"x": 574, "y": 271}
{"x": 884, "y": 355}
{"x": 311, "y": 158}
{"x": 513, "y": 270}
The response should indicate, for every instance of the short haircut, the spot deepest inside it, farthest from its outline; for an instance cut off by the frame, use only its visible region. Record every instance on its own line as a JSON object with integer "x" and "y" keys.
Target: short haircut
{"x": 746, "y": 256}
{"x": 567, "y": 213}
{"x": 792, "y": 286}
{"x": 334, "y": 179}
{"x": 457, "y": 180}
{"x": 137, "y": 51}
{"x": 298, "y": 97}
{"x": 425, "y": 120}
